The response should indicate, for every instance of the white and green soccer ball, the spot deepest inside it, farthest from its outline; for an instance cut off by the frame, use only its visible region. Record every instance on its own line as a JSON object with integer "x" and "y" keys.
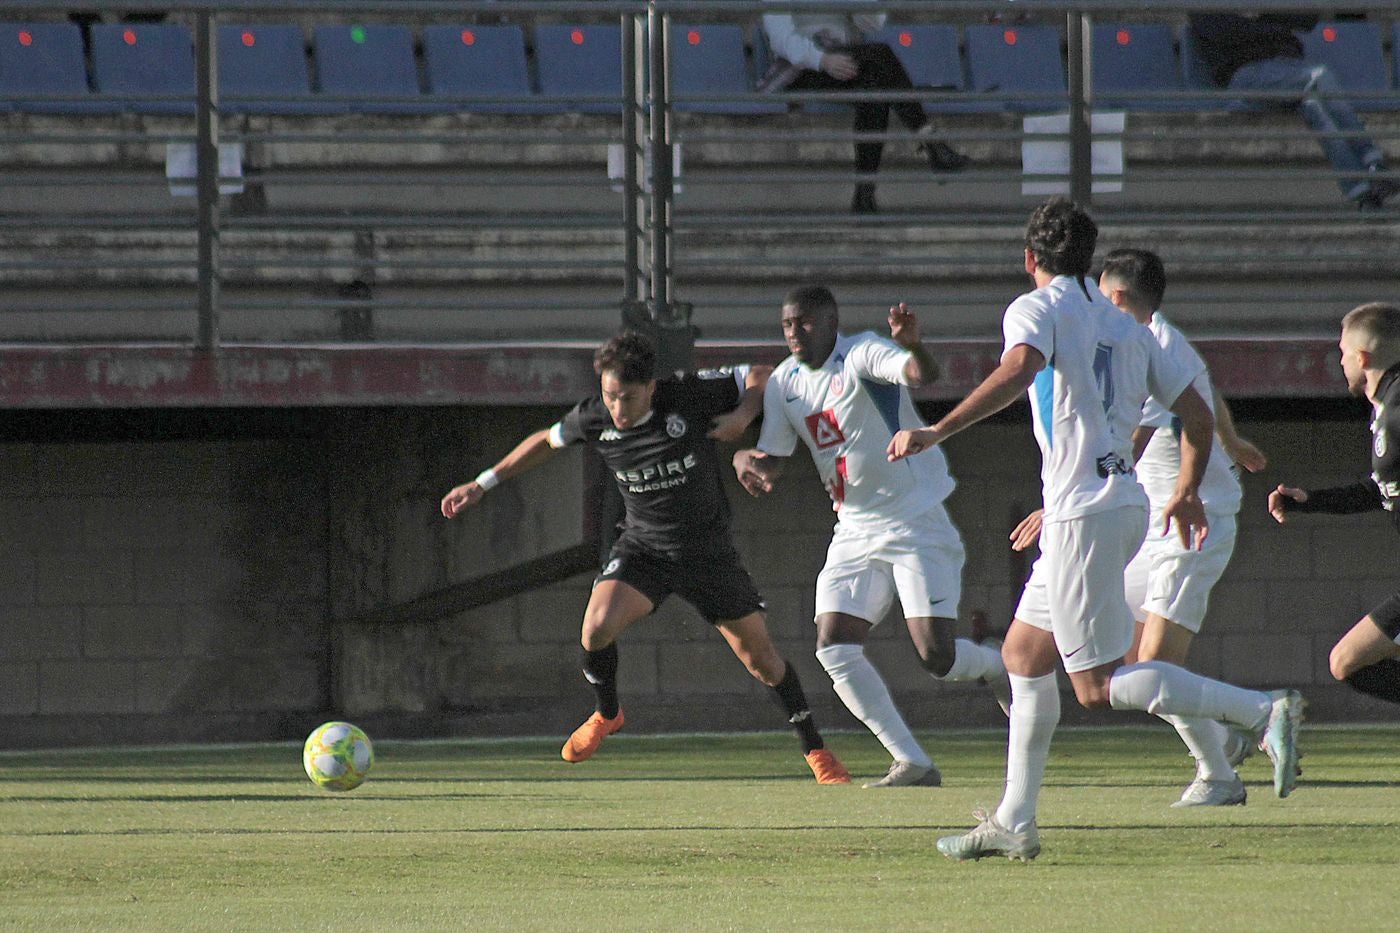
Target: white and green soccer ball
{"x": 337, "y": 756}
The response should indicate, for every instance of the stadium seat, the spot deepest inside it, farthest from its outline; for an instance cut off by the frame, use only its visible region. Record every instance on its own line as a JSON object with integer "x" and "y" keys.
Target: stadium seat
{"x": 929, "y": 53}
{"x": 580, "y": 60}
{"x": 261, "y": 63}
{"x": 1018, "y": 59}
{"x": 366, "y": 62}
{"x": 1352, "y": 51}
{"x": 1138, "y": 58}
{"x": 155, "y": 59}
{"x": 478, "y": 61}
{"x": 710, "y": 59}
{"x": 39, "y": 61}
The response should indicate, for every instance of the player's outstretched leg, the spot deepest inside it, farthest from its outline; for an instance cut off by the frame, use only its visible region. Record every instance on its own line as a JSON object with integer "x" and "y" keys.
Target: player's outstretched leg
{"x": 959, "y": 659}
{"x": 600, "y": 667}
{"x": 1216, "y": 783}
{"x": 863, "y": 690}
{"x": 826, "y": 767}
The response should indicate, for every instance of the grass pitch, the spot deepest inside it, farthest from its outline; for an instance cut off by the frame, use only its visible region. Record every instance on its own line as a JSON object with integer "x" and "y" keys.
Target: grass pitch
{"x": 690, "y": 833}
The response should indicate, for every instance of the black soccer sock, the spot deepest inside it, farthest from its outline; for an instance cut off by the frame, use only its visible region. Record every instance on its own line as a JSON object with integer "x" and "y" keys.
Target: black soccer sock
{"x": 600, "y": 667}
{"x": 1381, "y": 680}
{"x": 794, "y": 703}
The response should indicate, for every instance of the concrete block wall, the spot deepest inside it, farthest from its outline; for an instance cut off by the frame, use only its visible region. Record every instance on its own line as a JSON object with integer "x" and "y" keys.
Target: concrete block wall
{"x": 159, "y": 590}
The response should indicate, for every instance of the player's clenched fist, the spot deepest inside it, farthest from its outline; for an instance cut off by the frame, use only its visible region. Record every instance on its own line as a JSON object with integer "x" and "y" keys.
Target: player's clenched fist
{"x": 907, "y": 443}
{"x": 461, "y": 497}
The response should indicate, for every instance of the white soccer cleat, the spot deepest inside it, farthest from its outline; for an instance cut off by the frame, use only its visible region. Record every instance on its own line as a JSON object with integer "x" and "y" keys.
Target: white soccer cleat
{"x": 1280, "y": 738}
{"x": 908, "y": 774}
{"x": 991, "y": 838}
{"x": 1203, "y": 793}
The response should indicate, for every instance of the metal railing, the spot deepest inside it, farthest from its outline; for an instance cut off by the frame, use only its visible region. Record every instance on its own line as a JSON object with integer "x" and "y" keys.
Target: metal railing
{"x": 647, "y": 249}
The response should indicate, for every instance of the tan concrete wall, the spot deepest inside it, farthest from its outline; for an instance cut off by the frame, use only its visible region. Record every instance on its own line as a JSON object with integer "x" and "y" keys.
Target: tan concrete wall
{"x": 181, "y": 590}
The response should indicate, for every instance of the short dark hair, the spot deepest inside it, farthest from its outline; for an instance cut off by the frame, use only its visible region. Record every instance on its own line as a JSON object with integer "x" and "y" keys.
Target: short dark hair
{"x": 1141, "y": 272}
{"x": 1377, "y": 325}
{"x": 1062, "y": 236}
{"x": 811, "y": 298}
{"x": 630, "y": 356}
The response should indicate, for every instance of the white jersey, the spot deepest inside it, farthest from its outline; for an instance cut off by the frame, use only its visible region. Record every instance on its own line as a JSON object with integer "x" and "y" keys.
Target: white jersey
{"x": 1100, "y": 367}
{"x": 847, "y": 411}
{"x": 1161, "y": 461}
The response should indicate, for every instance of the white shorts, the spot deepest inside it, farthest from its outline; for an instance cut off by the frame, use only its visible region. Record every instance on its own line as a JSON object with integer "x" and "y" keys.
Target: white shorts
{"x": 920, "y": 560}
{"x": 1167, "y": 580}
{"x": 1076, "y": 586}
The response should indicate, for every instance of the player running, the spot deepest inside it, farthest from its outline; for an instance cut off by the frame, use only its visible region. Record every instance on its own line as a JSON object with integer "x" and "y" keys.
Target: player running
{"x": 844, "y": 397}
{"x": 657, "y": 437}
{"x": 1088, "y": 369}
{"x": 1367, "y": 657}
{"x": 1168, "y": 585}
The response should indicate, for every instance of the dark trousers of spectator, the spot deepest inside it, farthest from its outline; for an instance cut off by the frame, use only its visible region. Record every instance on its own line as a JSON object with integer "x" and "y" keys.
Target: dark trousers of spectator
{"x": 879, "y": 70}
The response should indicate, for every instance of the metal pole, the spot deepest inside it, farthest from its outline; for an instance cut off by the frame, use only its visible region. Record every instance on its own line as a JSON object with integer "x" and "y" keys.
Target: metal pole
{"x": 634, "y": 106}
{"x": 207, "y": 176}
{"x": 1081, "y": 164}
{"x": 658, "y": 100}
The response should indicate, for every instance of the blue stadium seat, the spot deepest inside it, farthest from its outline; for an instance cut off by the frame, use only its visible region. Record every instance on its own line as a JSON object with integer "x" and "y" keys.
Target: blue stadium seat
{"x": 1352, "y": 51}
{"x": 144, "y": 58}
{"x": 366, "y": 62}
{"x": 1018, "y": 59}
{"x": 262, "y": 62}
{"x": 1139, "y": 58}
{"x": 39, "y": 61}
{"x": 580, "y": 60}
{"x": 478, "y": 61}
{"x": 709, "y": 59}
{"x": 929, "y": 53}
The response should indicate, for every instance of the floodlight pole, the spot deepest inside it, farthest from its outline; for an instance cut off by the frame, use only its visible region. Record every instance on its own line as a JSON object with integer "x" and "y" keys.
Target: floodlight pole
{"x": 206, "y": 149}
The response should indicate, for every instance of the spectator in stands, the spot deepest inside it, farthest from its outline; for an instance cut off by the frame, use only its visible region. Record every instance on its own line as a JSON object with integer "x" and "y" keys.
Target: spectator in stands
{"x": 828, "y": 51}
{"x": 1260, "y": 52}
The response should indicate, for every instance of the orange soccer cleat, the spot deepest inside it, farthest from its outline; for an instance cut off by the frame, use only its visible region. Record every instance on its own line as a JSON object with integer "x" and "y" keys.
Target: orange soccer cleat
{"x": 587, "y": 737}
{"x": 827, "y": 767}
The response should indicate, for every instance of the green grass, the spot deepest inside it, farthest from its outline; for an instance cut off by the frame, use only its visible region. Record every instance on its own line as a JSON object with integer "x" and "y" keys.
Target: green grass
{"x": 711, "y": 832}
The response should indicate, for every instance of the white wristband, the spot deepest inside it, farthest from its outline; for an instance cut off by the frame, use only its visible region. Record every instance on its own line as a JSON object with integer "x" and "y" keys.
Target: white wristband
{"x": 487, "y": 480}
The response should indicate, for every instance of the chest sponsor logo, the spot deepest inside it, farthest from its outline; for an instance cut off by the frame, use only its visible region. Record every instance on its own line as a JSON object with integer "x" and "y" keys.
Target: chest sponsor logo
{"x": 825, "y": 430}
{"x": 657, "y": 476}
{"x": 610, "y": 434}
{"x": 675, "y": 425}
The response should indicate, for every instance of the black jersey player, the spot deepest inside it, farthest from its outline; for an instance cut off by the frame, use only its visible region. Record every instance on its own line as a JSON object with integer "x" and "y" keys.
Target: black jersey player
{"x": 656, "y": 437}
{"x": 1368, "y": 656}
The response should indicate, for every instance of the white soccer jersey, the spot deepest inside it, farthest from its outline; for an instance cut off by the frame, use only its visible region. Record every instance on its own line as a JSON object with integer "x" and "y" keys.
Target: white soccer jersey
{"x": 1100, "y": 367}
{"x": 847, "y": 411}
{"x": 1161, "y": 461}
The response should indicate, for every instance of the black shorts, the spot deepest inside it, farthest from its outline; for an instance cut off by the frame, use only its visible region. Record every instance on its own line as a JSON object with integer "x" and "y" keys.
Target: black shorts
{"x": 1387, "y": 616}
{"x": 715, "y": 583}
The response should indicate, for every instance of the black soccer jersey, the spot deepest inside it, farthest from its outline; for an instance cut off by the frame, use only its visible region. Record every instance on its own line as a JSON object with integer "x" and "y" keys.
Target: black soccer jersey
{"x": 1382, "y": 489}
{"x": 666, "y": 468}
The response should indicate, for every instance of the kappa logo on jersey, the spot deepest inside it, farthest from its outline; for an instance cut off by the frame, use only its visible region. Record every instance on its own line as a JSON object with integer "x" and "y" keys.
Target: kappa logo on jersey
{"x": 675, "y": 425}
{"x": 610, "y": 434}
{"x": 824, "y": 429}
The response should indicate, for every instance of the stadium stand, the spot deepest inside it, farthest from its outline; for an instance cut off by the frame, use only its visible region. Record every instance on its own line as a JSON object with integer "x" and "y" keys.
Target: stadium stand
{"x": 1023, "y": 59}
{"x": 40, "y": 62}
{"x": 265, "y": 65}
{"x": 710, "y": 58}
{"x": 1352, "y": 50}
{"x": 369, "y": 62}
{"x": 478, "y": 61}
{"x": 1136, "y": 57}
{"x": 576, "y": 62}
{"x": 149, "y": 61}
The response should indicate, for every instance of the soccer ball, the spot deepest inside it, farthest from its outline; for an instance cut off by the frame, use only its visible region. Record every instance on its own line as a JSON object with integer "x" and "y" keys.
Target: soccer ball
{"x": 337, "y": 756}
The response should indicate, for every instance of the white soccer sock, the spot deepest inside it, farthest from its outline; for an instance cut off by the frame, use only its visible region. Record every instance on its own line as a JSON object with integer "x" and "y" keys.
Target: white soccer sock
{"x": 863, "y": 690}
{"x": 1035, "y": 711}
{"x": 1159, "y": 687}
{"x": 1205, "y": 740}
{"x": 972, "y": 661}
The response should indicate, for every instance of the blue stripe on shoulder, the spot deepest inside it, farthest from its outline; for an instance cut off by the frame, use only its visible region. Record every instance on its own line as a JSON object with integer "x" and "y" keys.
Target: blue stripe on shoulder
{"x": 1045, "y": 401}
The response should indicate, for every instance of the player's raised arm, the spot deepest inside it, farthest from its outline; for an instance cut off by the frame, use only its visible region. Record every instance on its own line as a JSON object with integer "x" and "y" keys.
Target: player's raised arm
{"x": 530, "y": 452}
{"x": 921, "y": 368}
{"x": 730, "y": 425}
